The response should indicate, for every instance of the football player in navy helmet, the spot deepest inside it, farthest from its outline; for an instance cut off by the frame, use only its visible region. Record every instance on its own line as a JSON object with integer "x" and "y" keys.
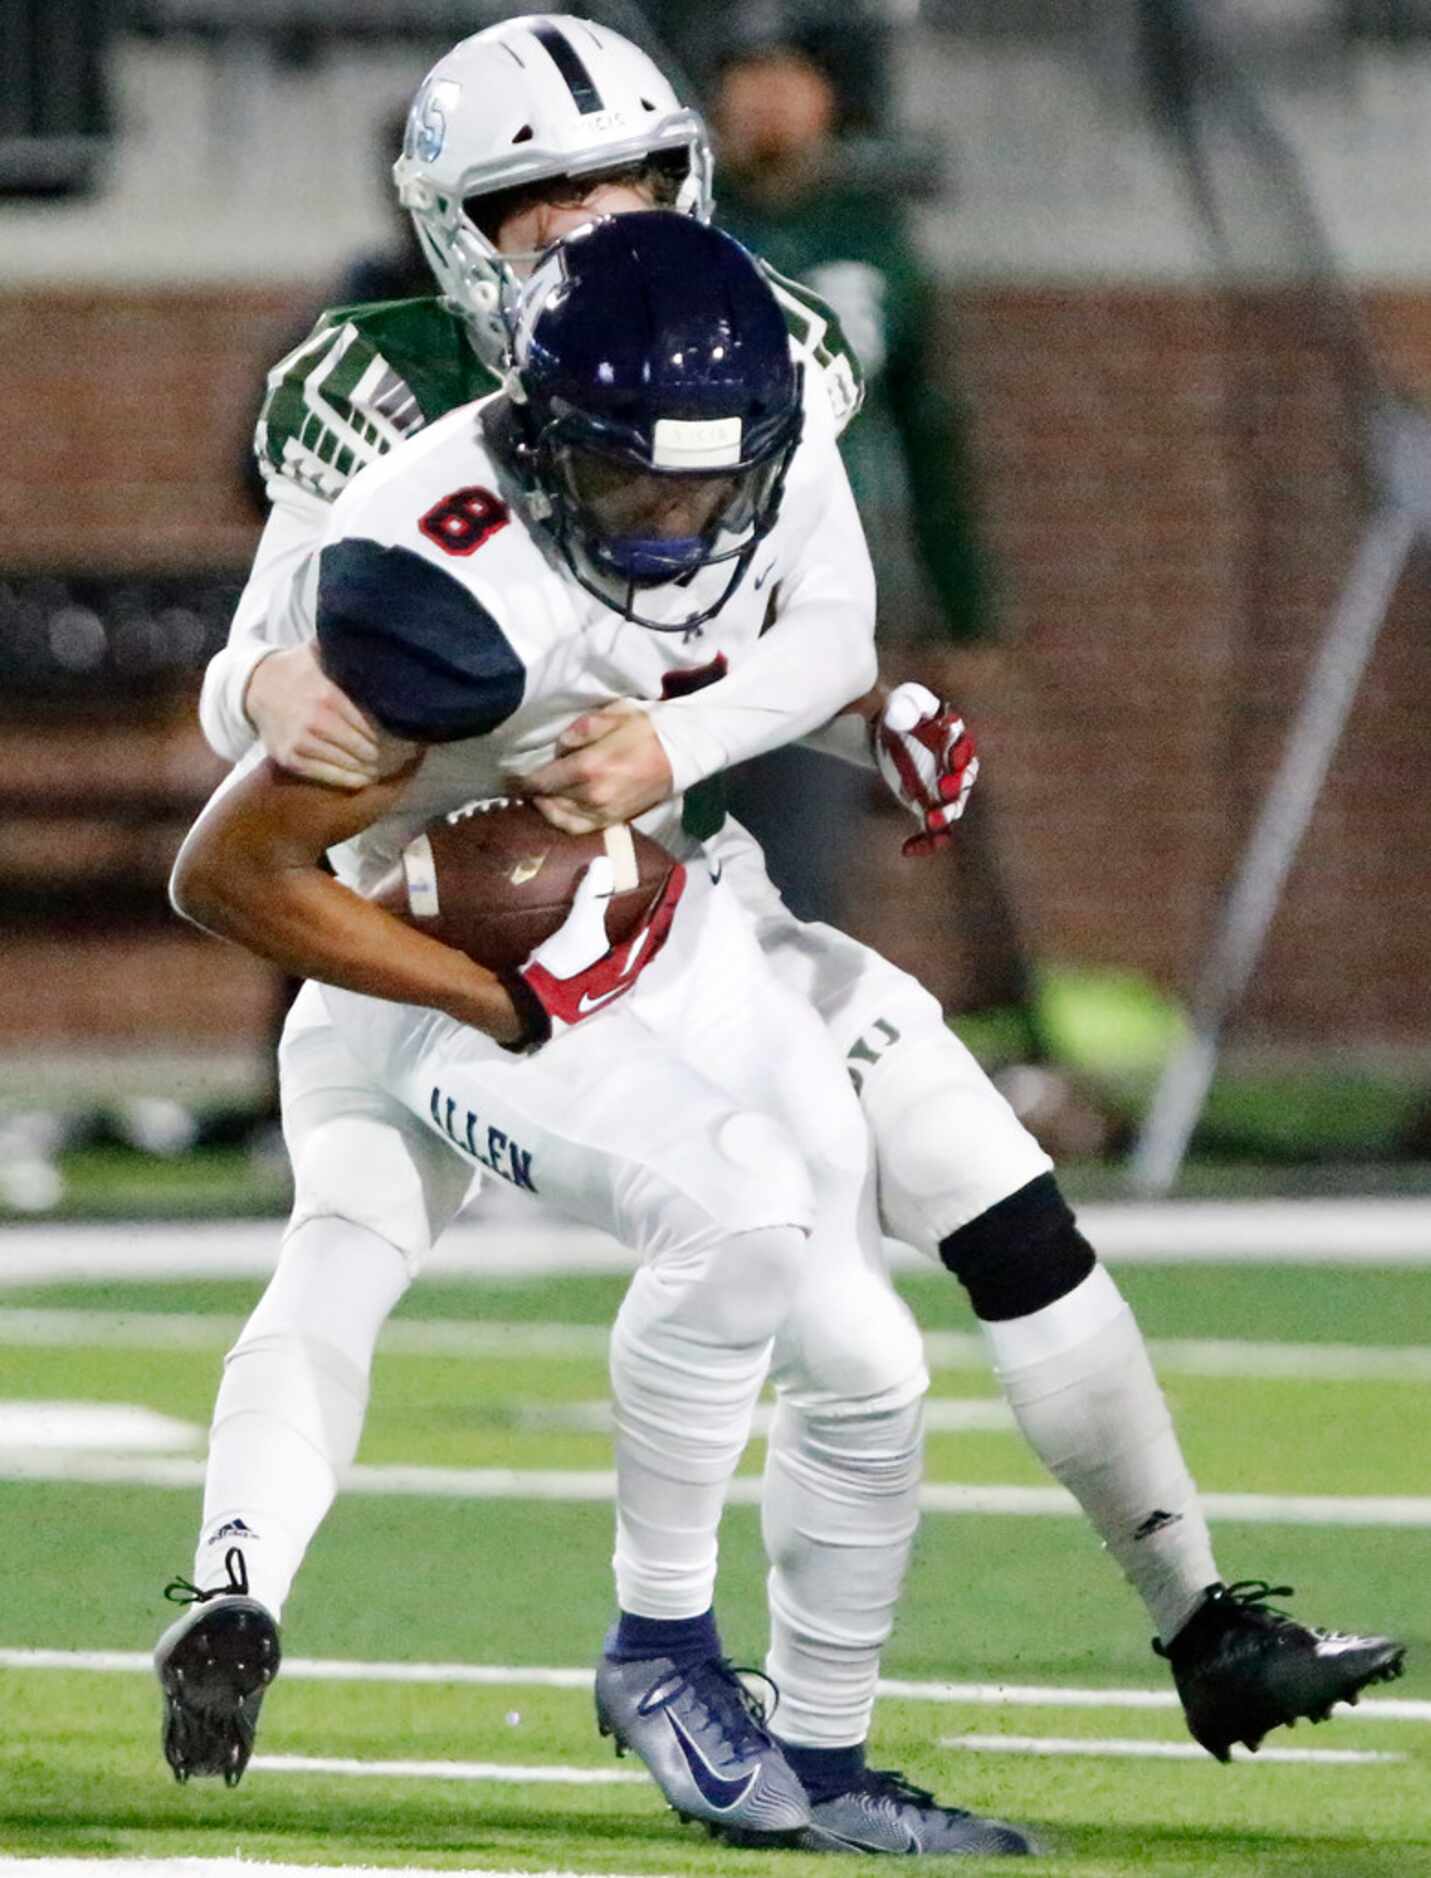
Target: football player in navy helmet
{"x": 659, "y": 408}
{"x": 493, "y": 578}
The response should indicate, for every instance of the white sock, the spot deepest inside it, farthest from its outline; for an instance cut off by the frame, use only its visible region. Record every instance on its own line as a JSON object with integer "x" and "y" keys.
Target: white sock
{"x": 1082, "y": 1389}
{"x": 689, "y": 1353}
{"x": 839, "y": 1514}
{"x": 290, "y": 1408}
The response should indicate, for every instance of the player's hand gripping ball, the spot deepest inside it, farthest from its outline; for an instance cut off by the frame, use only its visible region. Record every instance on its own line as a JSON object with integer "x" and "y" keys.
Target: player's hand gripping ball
{"x": 926, "y": 757}
{"x": 568, "y": 922}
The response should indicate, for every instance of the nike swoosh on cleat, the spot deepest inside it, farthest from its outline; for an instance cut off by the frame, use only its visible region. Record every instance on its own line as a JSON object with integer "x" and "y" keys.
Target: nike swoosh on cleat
{"x": 714, "y": 1788}
{"x": 911, "y": 1842}
{"x": 1339, "y": 1646}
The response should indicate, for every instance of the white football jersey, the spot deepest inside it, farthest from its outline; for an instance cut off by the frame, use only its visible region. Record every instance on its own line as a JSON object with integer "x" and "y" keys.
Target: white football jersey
{"x": 450, "y": 618}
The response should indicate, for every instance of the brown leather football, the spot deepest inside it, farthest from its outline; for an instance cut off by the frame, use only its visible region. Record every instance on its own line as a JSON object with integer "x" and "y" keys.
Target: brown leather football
{"x": 495, "y": 879}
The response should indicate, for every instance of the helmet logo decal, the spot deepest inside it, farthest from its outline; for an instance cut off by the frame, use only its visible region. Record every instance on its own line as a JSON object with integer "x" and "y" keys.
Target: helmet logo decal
{"x": 679, "y": 443}
{"x": 427, "y": 122}
{"x": 568, "y": 61}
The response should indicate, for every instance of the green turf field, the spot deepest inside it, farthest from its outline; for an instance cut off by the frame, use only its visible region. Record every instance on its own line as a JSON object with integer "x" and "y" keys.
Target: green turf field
{"x": 518, "y": 1584}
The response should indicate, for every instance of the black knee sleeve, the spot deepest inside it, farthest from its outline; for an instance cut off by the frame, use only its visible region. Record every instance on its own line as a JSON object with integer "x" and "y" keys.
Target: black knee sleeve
{"x": 1024, "y": 1253}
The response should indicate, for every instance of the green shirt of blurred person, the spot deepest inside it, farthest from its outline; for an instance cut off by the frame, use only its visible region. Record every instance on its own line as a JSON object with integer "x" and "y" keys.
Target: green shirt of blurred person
{"x": 797, "y": 89}
{"x": 776, "y": 114}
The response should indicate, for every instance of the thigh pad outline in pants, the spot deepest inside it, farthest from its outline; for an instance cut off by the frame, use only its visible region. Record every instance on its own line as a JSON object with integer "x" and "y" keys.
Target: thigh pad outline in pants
{"x": 610, "y": 1125}
{"x": 849, "y": 1350}
{"x": 357, "y": 1153}
{"x": 947, "y": 1144}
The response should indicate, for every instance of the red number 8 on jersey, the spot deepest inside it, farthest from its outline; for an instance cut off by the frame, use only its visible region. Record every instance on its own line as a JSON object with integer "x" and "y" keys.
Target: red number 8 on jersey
{"x": 461, "y": 522}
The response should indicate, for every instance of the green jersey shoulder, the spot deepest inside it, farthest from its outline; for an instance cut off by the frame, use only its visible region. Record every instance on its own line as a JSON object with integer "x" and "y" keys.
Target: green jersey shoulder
{"x": 820, "y": 342}
{"x": 368, "y": 376}
{"x": 363, "y": 379}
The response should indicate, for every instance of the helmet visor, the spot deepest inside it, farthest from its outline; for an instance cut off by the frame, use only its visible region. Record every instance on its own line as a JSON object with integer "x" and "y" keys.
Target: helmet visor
{"x": 652, "y": 526}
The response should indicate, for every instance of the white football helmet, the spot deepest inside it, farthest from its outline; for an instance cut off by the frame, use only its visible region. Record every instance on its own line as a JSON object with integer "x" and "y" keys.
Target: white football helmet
{"x": 542, "y": 96}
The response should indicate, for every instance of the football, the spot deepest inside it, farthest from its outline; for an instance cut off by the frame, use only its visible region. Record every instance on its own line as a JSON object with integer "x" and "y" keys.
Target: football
{"x": 494, "y": 879}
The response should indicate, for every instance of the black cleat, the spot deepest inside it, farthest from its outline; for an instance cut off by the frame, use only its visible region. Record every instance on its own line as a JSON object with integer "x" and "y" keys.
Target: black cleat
{"x": 1242, "y": 1667}
{"x": 213, "y": 1665}
{"x": 882, "y": 1812}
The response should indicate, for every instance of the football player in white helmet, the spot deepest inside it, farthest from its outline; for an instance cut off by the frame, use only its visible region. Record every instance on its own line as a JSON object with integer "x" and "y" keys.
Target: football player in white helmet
{"x": 509, "y": 111}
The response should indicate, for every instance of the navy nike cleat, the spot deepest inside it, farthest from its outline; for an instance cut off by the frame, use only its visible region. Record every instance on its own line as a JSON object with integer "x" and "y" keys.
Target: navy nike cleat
{"x": 882, "y": 1812}
{"x": 214, "y": 1664}
{"x": 702, "y": 1734}
{"x": 1242, "y": 1667}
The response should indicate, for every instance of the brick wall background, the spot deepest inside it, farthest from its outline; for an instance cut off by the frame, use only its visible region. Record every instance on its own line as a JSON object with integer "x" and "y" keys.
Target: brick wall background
{"x": 1168, "y": 487}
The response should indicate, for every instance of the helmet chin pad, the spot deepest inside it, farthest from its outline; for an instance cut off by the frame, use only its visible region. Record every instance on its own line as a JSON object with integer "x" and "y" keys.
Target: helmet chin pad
{"x": 648, "y": 561}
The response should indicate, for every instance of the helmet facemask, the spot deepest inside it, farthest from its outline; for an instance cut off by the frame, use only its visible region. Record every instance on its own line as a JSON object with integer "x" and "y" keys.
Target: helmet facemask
{"x": 626, "y": 523}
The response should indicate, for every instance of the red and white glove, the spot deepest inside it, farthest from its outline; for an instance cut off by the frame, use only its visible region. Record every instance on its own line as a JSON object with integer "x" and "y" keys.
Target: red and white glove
{"x": 927, "y": 758}
{"x": 578, "y": 972}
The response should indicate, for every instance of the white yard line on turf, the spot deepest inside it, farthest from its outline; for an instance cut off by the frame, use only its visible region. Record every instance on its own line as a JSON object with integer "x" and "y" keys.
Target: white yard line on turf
{"x": 241, "y": 1868}
{"x": 100, "y": 1427}
{"x": 516, "y": 1676}
{"x": 507, "y": 1241}
{"x": 599, "y": 1485}
{"x": 945, "y": 1349}
{"x": 943, "y": 1415}
{"x": 164, "y": 1330}
{"x": 1161, "y": 1750}
{"x": 448, "y": 1770}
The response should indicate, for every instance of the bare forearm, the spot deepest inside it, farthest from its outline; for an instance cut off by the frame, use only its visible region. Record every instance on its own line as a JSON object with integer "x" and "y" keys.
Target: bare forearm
{"x": 249, "y": 872}
{"x": 314, "y": 927}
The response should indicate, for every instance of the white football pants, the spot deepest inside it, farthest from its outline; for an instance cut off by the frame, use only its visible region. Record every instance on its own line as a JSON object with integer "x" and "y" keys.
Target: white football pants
{"x": 947, "y": 1145}
{"x": 706, "y": 1122}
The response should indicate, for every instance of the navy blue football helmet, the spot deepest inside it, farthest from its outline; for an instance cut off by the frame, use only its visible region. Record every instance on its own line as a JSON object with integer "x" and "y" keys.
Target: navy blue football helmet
{"x": 657, "y": 406}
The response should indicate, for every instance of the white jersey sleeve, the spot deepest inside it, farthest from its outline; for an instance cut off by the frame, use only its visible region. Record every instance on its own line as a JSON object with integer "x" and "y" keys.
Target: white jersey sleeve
{"x": 816, "y": 653}
{"x": 274, "y": 611}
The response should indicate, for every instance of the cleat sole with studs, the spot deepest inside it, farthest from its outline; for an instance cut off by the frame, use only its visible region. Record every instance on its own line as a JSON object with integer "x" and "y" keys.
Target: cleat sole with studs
{"x": 214, "y": 1669}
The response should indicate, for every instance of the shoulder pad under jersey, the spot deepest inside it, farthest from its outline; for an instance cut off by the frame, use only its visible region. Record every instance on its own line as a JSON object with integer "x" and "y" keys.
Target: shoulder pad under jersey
{"x": 364, "y": 378}
{"x": 819, "y": 340}
{"x": 412, "y": 644}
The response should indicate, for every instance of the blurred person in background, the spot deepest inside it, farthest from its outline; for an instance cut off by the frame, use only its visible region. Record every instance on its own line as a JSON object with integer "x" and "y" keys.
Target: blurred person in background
{"x": 489, "y": 188}
{"x": 813, "y": 179}
{"x": 796, "y": 103}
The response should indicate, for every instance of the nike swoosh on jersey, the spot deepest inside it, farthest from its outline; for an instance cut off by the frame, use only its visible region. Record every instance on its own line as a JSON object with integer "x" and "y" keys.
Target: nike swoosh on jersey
{"x": 715, "y": 1789}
